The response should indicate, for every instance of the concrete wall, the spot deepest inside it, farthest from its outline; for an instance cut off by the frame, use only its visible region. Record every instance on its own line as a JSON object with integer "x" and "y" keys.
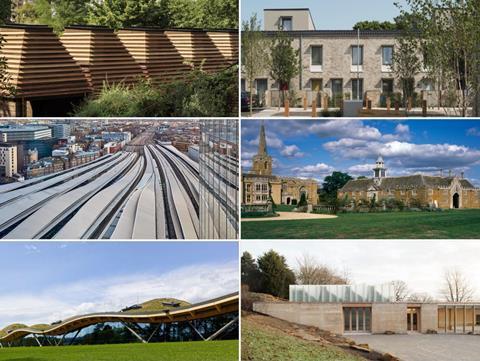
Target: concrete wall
{"x": 428, "y": 317}
{"x": 389, "y": 317}
{"x": 326, "y": 316}
{"x": 301, "y": 19}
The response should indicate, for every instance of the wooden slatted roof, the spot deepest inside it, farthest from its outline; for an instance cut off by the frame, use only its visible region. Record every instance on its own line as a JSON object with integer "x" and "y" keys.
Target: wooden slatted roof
{"x": 39, "y": 64}
{"x": 153, "y": 50}
{"x": 101, "y": 55}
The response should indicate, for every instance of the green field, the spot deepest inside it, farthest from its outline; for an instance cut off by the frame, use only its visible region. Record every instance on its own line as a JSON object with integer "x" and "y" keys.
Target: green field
{"x": 463, "y": 224}
{"x": 265, "y": 344}
{"x": 174, "y": 351}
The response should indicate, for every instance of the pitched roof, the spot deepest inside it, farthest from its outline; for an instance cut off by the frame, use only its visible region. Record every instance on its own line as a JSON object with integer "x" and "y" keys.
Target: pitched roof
{"x": 405, "y": 182}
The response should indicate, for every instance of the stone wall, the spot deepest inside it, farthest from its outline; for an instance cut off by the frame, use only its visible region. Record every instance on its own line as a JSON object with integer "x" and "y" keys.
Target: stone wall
{"x": 428, "y": 317}
{"x": 389, "y": 317}
{"x": 326, "y": 316}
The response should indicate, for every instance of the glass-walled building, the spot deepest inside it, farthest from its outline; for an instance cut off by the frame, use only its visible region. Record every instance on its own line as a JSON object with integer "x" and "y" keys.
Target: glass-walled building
{"x": 219, "y": 179}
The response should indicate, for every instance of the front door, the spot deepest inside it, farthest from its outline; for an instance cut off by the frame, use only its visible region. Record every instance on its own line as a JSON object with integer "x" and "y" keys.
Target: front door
{"x": 261, "y": 87}
{"x": 413, "y": 319}
{"x": 337, "y": 91}
{"x": 456, "y": 200}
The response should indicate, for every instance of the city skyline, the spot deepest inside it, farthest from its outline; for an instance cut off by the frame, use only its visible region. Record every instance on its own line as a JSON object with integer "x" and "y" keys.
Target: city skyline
{"x": 104, "y": 276}
{"x": 314, "y": 149}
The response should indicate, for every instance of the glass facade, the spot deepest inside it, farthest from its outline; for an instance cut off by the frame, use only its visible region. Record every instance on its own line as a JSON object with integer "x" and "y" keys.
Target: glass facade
{"x": 219, "y": 179}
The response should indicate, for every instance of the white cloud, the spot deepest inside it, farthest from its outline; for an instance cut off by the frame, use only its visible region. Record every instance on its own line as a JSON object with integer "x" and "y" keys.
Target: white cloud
{"x": 193, "y": 284}
{"x": 362, "y": 169}
{"x": 318, "y": 171}
{"x": 473, "y": 132}
{"x": 292, "y": 151}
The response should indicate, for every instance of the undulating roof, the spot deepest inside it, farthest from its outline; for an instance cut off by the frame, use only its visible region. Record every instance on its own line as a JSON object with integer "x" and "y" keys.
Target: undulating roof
{"x": 39, "y": 64}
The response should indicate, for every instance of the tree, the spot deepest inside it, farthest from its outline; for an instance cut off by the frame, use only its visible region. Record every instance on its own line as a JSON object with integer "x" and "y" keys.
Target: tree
{"x": 284, "y": 61}
{"x": 311, "y": 272}
{"x": 250, "y": 274}
{"x": 331, "y": 185}
{"x": 6, "y": 88}
{"x": 275, "y": 274}
{"x": 456, "y": 287}
{"x": 5, "y": 11}
{"x": 400, "y": 290}
{"x": 450, "y": 38}
{"x": 375, "y": 25}
{"x": 254, "y": 53}
{"x": 55, "y": 13}
{"x": 126, "y": 13}
{"x": 406, "y": 65}
{"x": 303, "y": 200}
{"x": 211, "y": 14}
{"x": 420, "y": 298}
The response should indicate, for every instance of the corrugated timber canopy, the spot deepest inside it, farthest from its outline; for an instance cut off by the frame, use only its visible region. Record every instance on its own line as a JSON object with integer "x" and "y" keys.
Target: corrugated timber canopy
{"x": 102, "y": 55}
{"x": 153, "y": 50}
{"x": 39, "y": 64}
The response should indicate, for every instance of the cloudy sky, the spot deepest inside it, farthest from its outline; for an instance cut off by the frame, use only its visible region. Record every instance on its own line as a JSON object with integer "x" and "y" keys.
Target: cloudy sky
{"x": 421, "y": 264}
{"x": 45, "y": 282}
{"x": 315, "y": 148}
{"x": 324, "y": 11}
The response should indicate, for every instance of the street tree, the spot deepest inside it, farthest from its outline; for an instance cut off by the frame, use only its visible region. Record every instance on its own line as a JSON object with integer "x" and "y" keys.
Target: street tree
{"x": 276, "y": 276}
{"x": 456, "y": 287}
{"x": 406, "y": 64}
{"x": 254, "y": 53}
{"x": 5, "y": 11}
{"x": 284, "y": 61}
{"x": 449, "y": 39}
{"x": 205, "y": 14}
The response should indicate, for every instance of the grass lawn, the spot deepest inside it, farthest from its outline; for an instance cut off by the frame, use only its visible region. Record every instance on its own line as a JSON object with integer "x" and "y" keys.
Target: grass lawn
{"x": 174, "y": 351}
{"x": 264, "y": 344}
{"x": 463, "y": 224}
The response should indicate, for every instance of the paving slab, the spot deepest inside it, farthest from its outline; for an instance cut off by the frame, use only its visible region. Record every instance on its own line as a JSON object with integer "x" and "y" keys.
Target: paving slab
{"x": 420, "y": 347}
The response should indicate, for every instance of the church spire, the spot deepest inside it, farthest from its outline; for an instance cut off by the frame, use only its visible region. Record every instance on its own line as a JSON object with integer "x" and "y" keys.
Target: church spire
{"x": 262, "y": 143}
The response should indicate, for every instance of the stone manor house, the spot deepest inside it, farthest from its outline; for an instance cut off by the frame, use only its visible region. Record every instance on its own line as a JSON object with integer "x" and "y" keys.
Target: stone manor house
{"x": 440, "y": 191}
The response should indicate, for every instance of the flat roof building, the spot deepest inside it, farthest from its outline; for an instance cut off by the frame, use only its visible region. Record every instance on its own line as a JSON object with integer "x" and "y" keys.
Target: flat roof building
{"x": 8, "y": 160}
{"x": 344, "y": 309}
{"x": 18, "y": 132}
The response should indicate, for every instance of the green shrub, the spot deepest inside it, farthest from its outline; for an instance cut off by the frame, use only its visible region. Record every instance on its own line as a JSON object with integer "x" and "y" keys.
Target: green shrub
{"x": 198, "y": 94}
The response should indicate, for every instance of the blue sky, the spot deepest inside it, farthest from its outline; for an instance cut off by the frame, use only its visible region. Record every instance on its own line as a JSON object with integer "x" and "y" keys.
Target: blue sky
{"x": 47, "y": 281}
{"x": 327, "y": 14}
{"x": 315, "y": 148}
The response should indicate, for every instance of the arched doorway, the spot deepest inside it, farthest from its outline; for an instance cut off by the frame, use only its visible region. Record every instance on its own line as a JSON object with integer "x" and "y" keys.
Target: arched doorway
{"x": 288, "y": 200}
{"x": 456, "y": 200}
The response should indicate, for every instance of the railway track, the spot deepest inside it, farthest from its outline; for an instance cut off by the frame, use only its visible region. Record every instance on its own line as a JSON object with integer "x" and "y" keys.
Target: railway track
{"x": 145, "y": 194}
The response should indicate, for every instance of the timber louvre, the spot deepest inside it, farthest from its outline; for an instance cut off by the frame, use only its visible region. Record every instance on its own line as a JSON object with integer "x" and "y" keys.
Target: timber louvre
{"x": 45, "y": 68}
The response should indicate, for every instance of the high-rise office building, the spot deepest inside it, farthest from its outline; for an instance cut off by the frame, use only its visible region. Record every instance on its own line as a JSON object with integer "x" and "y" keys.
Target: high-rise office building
{"x": 219, "y": 186}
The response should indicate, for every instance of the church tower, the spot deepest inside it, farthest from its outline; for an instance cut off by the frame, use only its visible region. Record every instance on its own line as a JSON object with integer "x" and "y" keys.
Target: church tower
{"x": 379, "y": 171}
{"x": 262, "y": 162}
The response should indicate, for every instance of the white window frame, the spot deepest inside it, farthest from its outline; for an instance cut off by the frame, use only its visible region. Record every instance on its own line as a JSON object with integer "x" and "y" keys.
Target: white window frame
{"x": 386, "y": 68}
{"x": 315, "y": 68}
{"x": 357, "y": 68}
